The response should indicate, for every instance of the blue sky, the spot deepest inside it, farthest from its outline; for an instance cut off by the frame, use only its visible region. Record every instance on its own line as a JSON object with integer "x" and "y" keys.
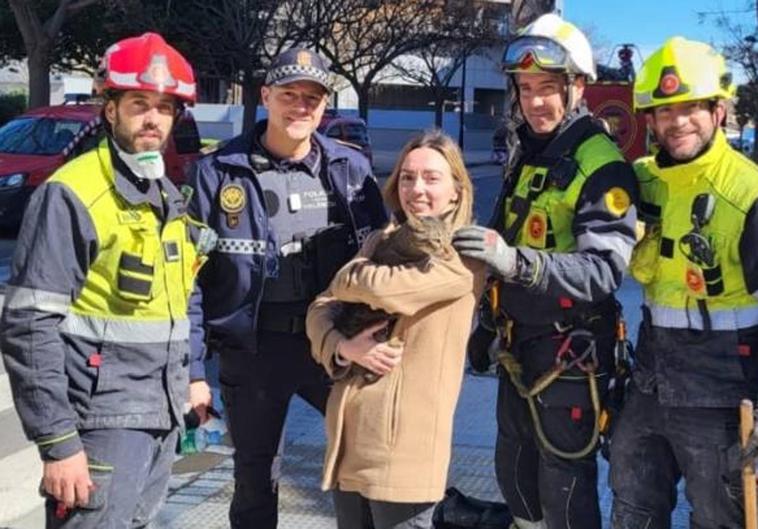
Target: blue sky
{"x": 648, "y": 23}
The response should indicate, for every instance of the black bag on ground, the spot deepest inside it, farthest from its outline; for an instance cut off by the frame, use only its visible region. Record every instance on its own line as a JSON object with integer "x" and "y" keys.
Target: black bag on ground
{"x": 458, "y": 511}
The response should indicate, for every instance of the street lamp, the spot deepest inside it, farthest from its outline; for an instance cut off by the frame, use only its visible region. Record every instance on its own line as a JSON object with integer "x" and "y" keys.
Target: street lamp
{"x": 462, "y": 124}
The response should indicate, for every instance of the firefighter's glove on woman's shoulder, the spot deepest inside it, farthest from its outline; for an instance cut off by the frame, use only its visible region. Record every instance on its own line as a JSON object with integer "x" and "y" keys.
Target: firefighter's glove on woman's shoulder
{"x": 487, "y": 246}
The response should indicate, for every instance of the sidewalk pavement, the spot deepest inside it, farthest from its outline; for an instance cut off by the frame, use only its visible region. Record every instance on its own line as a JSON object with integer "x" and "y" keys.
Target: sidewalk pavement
{"x": 202, "y": 484}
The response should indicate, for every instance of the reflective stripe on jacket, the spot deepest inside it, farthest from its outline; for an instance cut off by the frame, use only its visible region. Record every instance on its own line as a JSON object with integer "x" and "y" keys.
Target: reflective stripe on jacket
{"x": 673, "y": 282}
{"x": 229, "y": 291}
{"x": 95, "y": 329}
{"x": 577, "y": 237}
{"x": 698, "y": 345}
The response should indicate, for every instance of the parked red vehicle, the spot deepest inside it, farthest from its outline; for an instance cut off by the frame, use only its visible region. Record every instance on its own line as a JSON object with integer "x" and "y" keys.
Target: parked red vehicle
{"x": 35, "y": 144}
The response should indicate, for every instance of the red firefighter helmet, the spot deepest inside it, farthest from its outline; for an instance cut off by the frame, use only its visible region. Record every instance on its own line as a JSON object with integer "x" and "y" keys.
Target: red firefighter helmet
{"x": 147, "y": 63}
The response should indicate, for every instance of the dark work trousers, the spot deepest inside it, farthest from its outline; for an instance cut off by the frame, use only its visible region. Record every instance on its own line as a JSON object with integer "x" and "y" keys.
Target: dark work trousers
{"x": 256, "y": 391}
{"x": 537, "y": 484}
{"x": 130, "y": 470}
{"x": 654, "y": 446}
{"x": 356, "y": 512}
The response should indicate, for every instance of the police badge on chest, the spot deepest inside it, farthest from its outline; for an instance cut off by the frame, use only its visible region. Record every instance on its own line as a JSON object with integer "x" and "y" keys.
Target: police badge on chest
{"x": 233, "y": 200}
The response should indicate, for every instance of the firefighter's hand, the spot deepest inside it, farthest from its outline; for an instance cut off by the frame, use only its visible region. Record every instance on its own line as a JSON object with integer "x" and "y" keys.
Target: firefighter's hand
{"x": 364, "y": 350}
{"x": 487, "y": 246}
{"x": 200, "y": 398}
{"x": 68, "y": 480}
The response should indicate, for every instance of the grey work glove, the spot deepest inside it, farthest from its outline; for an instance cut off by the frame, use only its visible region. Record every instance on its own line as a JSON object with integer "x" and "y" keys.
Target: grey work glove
{"x": 487, "y": 246}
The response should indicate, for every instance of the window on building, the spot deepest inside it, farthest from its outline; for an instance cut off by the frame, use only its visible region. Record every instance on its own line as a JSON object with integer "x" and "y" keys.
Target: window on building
{"x": 407, "y": 97}
{"x": 489, "y": 101}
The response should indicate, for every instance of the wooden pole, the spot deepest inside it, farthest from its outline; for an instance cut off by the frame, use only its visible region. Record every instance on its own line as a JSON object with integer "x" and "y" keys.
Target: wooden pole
{"x": 747, "y": 423}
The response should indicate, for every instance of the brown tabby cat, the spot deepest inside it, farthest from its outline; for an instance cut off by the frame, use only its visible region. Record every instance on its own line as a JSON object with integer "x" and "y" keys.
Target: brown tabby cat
{"x": 416, "y": 240}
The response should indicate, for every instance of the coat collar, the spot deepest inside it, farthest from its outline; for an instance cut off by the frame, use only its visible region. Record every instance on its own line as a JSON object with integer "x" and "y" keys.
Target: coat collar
{"x": 136, "y": 192}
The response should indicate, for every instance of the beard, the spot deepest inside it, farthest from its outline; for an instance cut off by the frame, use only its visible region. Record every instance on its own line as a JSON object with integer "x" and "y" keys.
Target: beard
{"x": 131, "y": 142}
{"x": 701, "y": 140}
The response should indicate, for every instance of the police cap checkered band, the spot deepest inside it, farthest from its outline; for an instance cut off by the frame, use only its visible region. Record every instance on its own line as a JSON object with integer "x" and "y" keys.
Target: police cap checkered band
{"x": 299, "y": 64}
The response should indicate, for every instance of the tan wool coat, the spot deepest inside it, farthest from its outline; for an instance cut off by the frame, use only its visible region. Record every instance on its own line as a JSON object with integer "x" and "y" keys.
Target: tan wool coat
{"x": 390, "y": 440}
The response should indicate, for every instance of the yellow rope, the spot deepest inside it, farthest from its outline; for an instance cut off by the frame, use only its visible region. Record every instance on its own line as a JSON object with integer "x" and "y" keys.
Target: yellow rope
{"x": 514, "y": 369}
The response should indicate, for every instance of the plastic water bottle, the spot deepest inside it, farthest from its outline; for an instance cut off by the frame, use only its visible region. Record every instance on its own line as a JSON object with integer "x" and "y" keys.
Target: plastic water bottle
{"x": 198, "y": 436}
{"x": 193, "y": 441}
{"x": 213, "y": 429}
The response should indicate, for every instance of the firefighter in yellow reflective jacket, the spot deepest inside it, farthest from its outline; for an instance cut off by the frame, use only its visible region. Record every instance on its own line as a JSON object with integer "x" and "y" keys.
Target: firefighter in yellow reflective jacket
{"x": 94, "y": 327}
{"x": 567, "y": 215}
{"x": 698, "y": 342}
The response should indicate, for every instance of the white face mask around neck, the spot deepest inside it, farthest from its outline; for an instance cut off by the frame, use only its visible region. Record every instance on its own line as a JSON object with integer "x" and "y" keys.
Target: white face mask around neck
{"x": 147, "y": 164}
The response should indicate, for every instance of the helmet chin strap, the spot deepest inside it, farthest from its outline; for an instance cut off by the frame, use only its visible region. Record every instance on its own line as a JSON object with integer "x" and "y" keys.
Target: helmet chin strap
{"x": 569, "y": 99}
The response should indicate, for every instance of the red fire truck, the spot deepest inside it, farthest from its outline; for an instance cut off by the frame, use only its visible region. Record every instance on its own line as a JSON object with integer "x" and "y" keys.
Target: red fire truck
{"x": 611, "y": 98}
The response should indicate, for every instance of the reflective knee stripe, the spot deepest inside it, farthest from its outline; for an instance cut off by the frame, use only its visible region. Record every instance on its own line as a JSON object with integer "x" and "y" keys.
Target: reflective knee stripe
{"x": 124, "y": 330}
{"x": 18, "y": 298}
{"x": 241, "y": 246}
{"x": 721, "y": 320}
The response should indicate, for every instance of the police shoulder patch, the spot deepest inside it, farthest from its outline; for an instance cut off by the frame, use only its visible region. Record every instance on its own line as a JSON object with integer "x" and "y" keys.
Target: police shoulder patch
{"x": 232, "y": 198}
{"x": 617, "y": 201}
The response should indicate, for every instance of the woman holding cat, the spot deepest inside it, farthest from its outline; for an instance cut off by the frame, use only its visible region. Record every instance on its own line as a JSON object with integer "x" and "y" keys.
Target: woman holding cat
{"x": 389, "y": 441}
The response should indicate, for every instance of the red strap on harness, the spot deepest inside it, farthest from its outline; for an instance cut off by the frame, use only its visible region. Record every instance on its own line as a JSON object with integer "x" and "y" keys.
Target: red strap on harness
{"x": 743, "y": 350}
{"x": 565, "y": 303}
{"x": 95, "y": 360}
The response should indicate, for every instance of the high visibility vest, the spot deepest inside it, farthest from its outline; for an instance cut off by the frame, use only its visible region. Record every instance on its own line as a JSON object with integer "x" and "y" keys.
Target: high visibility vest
{"x": 681, "y": 289}
{"x": 137, "y": 289}
{"x": 552, "y": 198}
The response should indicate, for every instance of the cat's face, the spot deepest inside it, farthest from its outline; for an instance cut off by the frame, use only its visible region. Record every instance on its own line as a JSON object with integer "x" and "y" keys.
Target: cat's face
{"x": 429, "y": 233}
{"x": 426, "y": 186}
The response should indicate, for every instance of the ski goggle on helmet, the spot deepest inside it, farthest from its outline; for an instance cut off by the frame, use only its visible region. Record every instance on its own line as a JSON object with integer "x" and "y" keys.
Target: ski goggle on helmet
{"x": 550, "y": 44}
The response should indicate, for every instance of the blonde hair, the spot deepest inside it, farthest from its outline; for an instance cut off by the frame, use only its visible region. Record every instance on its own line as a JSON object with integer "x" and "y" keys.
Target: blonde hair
{"x": 443, "y": 144}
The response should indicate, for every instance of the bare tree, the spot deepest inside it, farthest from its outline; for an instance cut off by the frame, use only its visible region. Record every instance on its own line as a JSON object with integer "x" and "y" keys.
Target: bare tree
{"x": 463, "y": 30}
{"x": 364, "y": 37}
{"x": 747, "y": 95}
{"x": 40, "y": 39}
{"x": 234, "y": 40}
{"x": 740, "y": 49}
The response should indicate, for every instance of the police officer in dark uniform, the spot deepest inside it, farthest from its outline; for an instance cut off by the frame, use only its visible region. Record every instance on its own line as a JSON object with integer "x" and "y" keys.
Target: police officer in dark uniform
{"x": 290, "y": 207}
